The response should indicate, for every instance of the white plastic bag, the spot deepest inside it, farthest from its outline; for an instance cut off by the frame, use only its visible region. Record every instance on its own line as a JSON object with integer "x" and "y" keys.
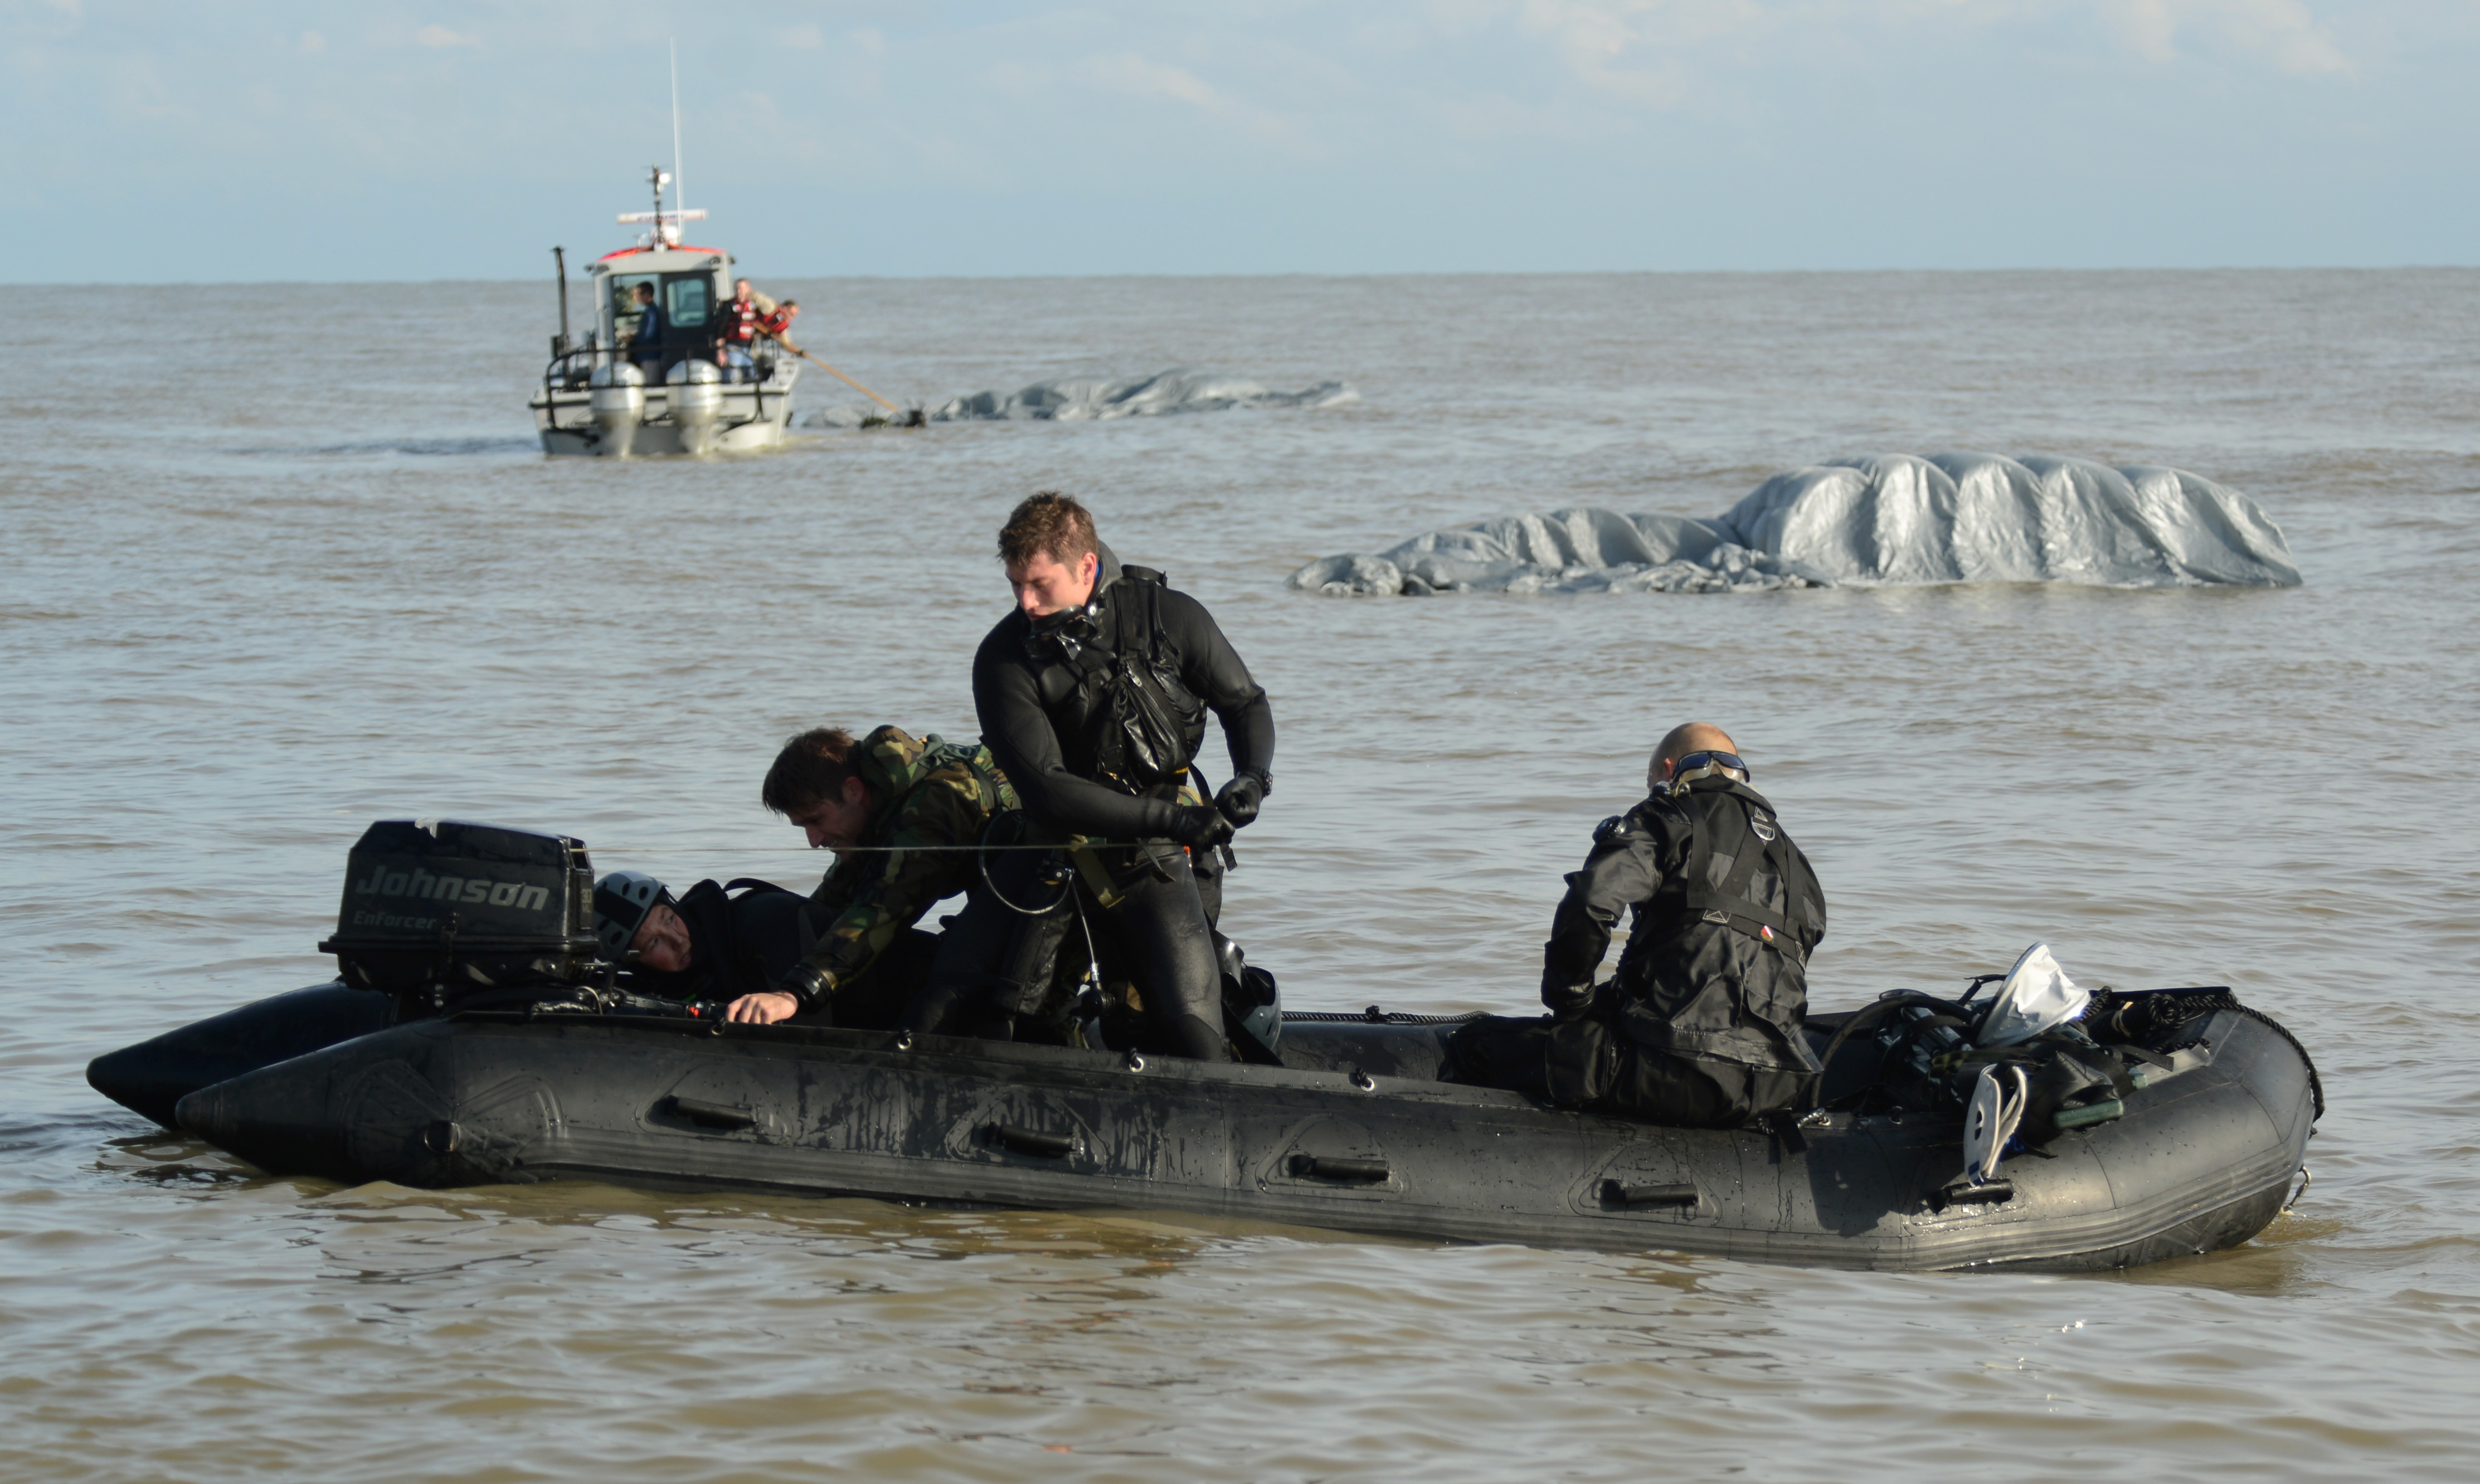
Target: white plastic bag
{"x": 2038, "y": 994}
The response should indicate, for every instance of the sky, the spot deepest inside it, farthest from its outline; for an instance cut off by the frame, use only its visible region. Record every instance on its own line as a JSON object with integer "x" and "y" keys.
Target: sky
{"x": 383, "y": 141}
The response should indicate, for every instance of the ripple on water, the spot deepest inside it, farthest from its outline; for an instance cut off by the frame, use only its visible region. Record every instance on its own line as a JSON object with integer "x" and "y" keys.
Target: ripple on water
{"x": 233, "y": 636}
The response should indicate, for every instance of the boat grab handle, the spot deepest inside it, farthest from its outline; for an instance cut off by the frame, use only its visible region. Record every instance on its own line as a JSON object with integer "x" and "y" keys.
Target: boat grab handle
{"x": 1020, "y": 1139}
{"x": 1325, "y": 1168}
{"x": 1618, "y": 1195}
{"x": 713, "y": 1115}
{"x": 1997, "y": 1192}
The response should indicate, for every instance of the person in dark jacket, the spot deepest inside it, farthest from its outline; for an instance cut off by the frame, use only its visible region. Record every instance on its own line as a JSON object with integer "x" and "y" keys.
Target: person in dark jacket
{"x": 1093, "y": 697}
{"x": 1700, "y": 1026}
{"x": 711, "y": 943}
{"x": 646, "y": 346}
{"x": 902, "y": 814}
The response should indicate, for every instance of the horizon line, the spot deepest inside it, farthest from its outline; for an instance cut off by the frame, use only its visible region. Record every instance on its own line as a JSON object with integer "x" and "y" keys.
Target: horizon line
{"x": 1571, "y": 272}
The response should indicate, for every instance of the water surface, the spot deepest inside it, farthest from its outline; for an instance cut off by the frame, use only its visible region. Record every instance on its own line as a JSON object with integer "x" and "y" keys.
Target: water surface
{"x": 299, "y": 566}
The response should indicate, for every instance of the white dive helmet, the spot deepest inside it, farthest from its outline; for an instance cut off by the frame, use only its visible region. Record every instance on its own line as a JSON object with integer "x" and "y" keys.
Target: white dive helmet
{"x": 621, "y": 901}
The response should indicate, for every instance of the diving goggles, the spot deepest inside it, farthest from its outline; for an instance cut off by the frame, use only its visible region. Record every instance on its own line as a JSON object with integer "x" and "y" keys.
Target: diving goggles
{"x": 1696, "y": 765}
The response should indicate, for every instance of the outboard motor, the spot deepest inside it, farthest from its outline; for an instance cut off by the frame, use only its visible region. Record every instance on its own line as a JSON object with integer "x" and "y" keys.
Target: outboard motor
{"x": 618, "y": 398}
{"x": 694, "y": 389}
{"x": 437, "y": 910}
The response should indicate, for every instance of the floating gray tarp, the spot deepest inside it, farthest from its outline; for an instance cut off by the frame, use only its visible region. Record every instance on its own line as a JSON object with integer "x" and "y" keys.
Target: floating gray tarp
{"x": 1181, "y": 389}
{"x": 1890, "y": 519}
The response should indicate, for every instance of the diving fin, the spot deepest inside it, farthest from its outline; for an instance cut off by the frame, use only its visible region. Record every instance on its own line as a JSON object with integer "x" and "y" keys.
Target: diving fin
{"x": 1998, "y": 1098}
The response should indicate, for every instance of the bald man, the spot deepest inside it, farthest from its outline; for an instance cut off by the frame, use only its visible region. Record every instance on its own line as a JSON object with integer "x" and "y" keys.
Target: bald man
{"x": 1700, "y": 1027}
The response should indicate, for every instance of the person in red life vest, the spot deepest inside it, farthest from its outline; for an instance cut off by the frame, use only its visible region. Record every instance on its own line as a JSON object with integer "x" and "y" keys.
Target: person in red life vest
{"x": 774, "y": 325}
{"x": 736, "y": 330}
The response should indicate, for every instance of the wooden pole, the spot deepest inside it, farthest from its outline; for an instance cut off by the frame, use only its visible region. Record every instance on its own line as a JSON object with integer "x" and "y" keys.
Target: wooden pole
{"x": 832, "y": 372}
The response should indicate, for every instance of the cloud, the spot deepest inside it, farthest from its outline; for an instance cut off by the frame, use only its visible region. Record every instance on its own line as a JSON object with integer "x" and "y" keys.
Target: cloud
{"x": 1632, "y": 47}
{"x": 804, "y": 38}
{"x": 2282, "y": 31}
{"x": 1129, "y": 73}
{"x": 2147, "y": 28}
{"x": 312, "y": 41}
{"x": 1644, "y": 50}
{"x": 441, "y": 36}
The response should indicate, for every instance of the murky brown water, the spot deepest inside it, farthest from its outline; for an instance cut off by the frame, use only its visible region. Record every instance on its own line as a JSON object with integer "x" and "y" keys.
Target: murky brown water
{"x": 298, "y": 567}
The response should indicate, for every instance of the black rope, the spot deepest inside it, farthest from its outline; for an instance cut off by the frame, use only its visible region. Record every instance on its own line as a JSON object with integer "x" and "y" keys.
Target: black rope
{"x": 2316, "y": 1083}
{"x": 844, "y": 850}
{"x": 2166, "y": 1010}
{"x": 1364, "y": 1017}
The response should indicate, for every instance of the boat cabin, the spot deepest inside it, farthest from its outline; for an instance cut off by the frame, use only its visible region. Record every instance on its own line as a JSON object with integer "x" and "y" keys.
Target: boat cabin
{"x": 690, "y": 284}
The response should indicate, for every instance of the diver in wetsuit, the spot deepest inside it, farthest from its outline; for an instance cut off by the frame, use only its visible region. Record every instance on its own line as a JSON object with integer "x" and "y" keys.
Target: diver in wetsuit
{"x": 1701, "y": 1025}
{"x": 1093, "y": 697}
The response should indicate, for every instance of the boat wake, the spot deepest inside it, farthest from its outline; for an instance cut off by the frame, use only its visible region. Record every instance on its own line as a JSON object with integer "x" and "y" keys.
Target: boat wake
{"x": 1081, "y": 400}
{"x": 1891, "y": 520}
{"x": 415, "y": 447}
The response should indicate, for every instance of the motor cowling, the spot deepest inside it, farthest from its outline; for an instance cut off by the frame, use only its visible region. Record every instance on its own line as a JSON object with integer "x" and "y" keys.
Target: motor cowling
{"x": 617, "y": 395}
{"x": 449, "y": 909}
{"x": 694, "y": 391}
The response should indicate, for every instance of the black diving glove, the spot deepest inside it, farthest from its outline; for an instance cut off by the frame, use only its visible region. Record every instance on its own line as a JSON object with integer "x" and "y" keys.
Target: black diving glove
{"x": 1240, "y": 798}
{"x": 1199, "y": 826}
{"x": 807, "y": 984}
{"x": 1567, "y": 1002}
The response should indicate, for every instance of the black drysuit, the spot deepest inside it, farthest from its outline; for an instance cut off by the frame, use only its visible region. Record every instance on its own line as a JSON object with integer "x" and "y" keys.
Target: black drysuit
{"x": 745, "y": 944}
{"x": 1701, "y": 1024}
{"x": 1045, "y": 713}
{"x": 738, "y": 945}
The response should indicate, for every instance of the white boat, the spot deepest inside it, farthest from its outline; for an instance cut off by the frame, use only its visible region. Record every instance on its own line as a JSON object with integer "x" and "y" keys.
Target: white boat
{"x": 596, "y": 399}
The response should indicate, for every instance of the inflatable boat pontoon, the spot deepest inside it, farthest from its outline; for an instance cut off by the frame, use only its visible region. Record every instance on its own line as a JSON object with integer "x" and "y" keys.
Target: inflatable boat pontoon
{"x": 1354, "y": 1132}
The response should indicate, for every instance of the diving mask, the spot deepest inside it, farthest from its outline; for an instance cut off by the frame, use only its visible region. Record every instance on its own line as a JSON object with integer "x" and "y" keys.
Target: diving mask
{"x": 1688, "y": 769}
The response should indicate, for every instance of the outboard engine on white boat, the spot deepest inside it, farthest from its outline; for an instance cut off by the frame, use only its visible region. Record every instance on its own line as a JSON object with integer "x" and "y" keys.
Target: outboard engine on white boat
{"x": 694, "y": 389}
{"x": 437, "y": 910}
{"x": 618, "y": 398}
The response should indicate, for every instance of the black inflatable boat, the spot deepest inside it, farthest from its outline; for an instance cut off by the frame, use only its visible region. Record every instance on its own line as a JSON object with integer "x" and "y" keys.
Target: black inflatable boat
{"x": 1354, "y": 1132}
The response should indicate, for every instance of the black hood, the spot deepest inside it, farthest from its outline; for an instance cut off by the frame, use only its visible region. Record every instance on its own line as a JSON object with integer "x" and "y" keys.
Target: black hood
{"x": 1106, "y": 571}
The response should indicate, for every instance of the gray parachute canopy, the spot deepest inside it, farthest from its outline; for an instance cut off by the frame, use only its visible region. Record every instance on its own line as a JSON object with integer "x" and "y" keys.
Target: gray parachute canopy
{"x": 1893, "y": 518}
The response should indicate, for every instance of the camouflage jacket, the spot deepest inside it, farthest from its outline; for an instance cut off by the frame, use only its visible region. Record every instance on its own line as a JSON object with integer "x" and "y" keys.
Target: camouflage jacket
{"x": 925, "y": 791}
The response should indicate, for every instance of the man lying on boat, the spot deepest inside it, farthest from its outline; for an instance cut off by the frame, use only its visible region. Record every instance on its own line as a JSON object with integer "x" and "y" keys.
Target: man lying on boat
{"x": 713, "y": 941}
{"x": 1092, "y": 696}
{"x": 1700, "y": 1027}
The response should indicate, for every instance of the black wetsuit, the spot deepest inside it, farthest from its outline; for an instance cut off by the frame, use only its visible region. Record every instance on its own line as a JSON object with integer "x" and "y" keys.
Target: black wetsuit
{"x": 1701, "y": 1024}
{"x": 1041, "y": 714}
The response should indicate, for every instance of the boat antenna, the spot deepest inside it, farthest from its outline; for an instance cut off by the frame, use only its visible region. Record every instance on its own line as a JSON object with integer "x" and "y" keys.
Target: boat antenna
{"x": 678, "y": 196}
{"x": 559, "y": 270}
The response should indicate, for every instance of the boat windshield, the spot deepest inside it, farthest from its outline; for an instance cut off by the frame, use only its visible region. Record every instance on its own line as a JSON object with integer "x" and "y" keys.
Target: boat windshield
{"x": 686, "y": 300}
